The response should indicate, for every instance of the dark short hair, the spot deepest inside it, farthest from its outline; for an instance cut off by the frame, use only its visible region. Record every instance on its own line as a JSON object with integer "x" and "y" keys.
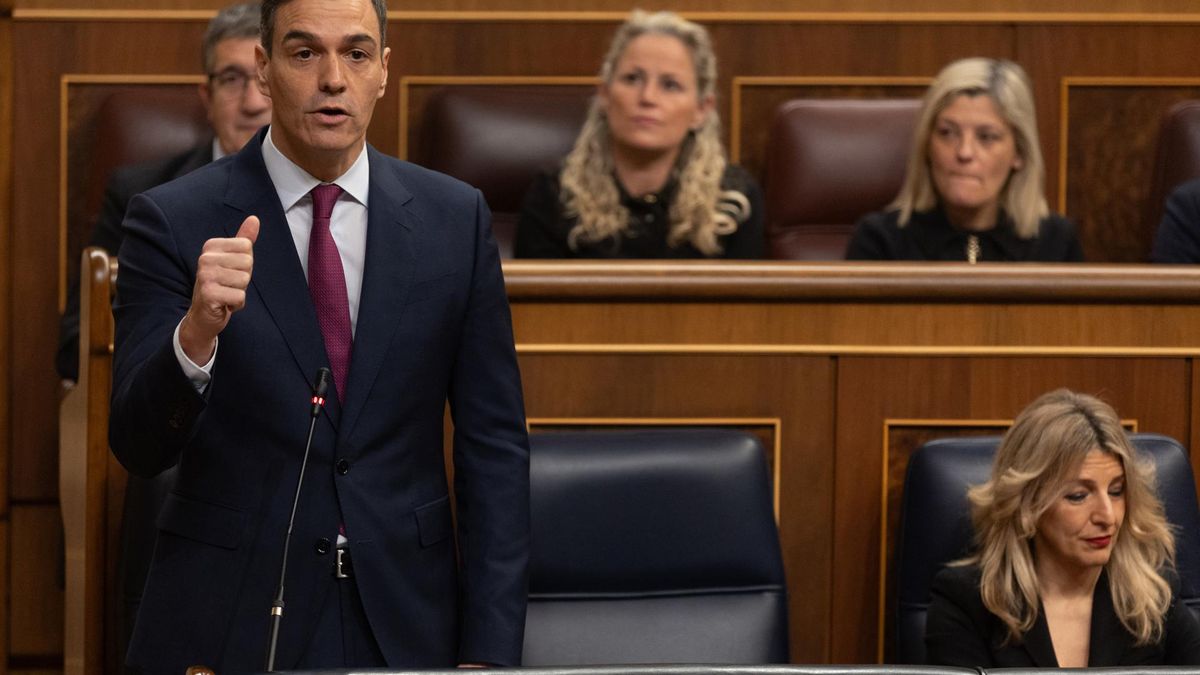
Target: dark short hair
{"x": 235, "y": 21}
{"x": 268, "y": 20}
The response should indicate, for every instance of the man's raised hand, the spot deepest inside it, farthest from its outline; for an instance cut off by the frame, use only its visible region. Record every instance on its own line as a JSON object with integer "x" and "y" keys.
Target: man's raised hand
{"x": 222, "y": 277}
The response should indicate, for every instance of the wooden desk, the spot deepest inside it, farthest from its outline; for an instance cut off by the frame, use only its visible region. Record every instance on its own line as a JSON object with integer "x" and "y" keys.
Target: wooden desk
{"x": 844, "y": 369}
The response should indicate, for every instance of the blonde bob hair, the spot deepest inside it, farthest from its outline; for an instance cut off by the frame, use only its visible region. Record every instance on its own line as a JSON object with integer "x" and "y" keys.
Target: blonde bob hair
{"x": 701, "y": 212}
{"x": 1007, "y": 85}
{"x": 1038, "y": 456}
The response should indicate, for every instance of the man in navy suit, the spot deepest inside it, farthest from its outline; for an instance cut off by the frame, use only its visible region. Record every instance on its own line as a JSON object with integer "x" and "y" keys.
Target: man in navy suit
{"x": 237, "y": 283}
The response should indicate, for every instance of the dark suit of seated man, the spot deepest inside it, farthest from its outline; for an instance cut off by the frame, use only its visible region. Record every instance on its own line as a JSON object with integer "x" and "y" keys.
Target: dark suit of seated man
{"x": 310, "y": 249}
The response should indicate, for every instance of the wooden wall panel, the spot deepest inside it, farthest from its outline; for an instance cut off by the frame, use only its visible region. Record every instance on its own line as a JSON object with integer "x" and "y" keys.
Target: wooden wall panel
{"x": 1110, "y": 132}
{"x": 36, "y": 630}
{"x": 1155, "y": 393}
{"x": 797, "y": 391}
{"x": 969, "y": 7}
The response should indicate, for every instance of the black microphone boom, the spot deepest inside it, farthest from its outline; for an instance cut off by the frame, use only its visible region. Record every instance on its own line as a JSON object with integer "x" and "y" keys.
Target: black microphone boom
{"x": 320, "y": 386}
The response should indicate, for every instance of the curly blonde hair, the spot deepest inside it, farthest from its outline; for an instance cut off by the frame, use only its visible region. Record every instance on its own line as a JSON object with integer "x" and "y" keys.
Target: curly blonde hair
{"x": 1040, "y": 453}
{"x": 701, "y": 211}
{"x": 1007, "y": 85}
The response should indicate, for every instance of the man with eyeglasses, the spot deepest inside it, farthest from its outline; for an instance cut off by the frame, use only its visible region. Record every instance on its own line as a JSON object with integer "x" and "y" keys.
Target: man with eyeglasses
{"x": 235, "y": 111}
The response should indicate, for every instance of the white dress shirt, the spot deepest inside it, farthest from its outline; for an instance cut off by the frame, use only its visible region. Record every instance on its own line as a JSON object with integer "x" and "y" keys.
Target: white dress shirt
{"x": 348, "y": 225}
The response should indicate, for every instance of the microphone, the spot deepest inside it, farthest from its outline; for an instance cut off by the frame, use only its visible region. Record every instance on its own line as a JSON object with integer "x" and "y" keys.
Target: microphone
{"x": 320, "y": 386}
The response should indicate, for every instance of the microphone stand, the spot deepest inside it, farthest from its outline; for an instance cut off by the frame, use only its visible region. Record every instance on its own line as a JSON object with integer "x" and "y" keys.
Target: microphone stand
{"x": 320, "y": 386}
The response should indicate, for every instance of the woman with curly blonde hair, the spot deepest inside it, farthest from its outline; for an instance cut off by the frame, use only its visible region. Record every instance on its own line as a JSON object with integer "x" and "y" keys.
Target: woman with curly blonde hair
{"x": 647, "y": 177}
{"x": 973, "y": 190}
{"x": 1074, "y": 559}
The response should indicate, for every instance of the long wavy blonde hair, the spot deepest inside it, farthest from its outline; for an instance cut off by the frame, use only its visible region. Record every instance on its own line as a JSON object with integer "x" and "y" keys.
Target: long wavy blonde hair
{"x": 1040, "y": 453}
{"x": 1007, "y": 85}
{"x": 701, "y": 211}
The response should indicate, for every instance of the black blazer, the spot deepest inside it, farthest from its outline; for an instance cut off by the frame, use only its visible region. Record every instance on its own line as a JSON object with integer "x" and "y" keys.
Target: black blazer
{"x": 544, "y": 228}
{"x": 125, "y": 182}
{"x": 929, "y": 236}
{"x": 960, "y": 631}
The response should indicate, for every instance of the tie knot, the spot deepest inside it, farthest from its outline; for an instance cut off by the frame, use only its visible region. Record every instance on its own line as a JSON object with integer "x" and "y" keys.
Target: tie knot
{"x": 324, "y": 196}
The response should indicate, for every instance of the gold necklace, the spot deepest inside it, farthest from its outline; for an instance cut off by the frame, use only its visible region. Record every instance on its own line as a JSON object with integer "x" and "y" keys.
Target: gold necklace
{"x": 972, "y": 249}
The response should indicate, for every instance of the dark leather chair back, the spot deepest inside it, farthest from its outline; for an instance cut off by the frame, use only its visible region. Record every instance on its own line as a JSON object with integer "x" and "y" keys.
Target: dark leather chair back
{"x": 140, "y": 124}
{"x": 653, "y": 547}
{"x": 935, "y": 524}
{"x": 830, "y": 162}
{"x": 1176, "y": 161}
{"x": 498, "y": 138}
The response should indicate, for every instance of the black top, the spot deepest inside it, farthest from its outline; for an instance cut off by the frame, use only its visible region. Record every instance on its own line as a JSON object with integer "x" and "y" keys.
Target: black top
{"x": 960, "y": 631}
{"x": 543, "y": 228}
{"x": 1178, "y": 236}
{"x": 930, "y": 236}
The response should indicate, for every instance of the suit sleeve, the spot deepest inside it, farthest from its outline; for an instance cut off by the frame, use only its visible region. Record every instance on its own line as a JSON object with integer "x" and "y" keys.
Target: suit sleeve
{"x": 1178, "y": 237}
{"x": 954, "y": 634}
{"x": 154, "y": 406}
{"x": 491, "y": 466}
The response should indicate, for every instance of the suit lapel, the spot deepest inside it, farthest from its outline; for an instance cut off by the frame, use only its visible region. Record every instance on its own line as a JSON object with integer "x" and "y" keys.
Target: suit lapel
{"x": 387, "y": 278}
{"x": 1038, "y": 644}
{"x": 1109, "y": 639}
{"x": 278, "y": 277}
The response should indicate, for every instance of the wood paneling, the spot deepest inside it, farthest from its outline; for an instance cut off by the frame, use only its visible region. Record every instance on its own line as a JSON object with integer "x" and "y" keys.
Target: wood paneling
{"x": 1120, "y": 127}
{"x": 35, "y": 628}
{"x": 1108, "y": 184}
{"x": 6, "y": 321}
{"x": 971, "y": 7}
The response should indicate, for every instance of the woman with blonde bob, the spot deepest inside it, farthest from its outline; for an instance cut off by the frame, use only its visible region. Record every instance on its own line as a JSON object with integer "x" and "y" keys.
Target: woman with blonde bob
{"x": 973, "y": 187}
{"x": 647, "y": 177}
{"x": 1074, "y": 558}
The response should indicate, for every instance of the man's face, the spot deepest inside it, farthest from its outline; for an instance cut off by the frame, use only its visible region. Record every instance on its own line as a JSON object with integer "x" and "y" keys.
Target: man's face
{"x": 326, "y": 71}
{"x": 236, "y": 108}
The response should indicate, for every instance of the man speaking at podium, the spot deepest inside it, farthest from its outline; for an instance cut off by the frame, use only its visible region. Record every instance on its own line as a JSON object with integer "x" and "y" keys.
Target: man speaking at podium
{"x": 310, "y": 249}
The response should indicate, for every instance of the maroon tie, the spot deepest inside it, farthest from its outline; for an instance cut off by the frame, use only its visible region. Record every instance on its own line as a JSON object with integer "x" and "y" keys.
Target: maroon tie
{"x": 327, "y": 286}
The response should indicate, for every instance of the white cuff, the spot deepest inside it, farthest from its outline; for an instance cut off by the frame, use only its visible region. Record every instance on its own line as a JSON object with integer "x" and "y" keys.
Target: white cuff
{"x": 199, "y": 375}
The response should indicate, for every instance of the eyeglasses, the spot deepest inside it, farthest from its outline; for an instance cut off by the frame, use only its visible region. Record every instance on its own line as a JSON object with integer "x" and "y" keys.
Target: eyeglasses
{"x": 231, "y": 81}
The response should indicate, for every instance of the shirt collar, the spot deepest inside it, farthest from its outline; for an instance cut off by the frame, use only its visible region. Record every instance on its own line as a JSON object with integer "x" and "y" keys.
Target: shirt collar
{"x": 218, "y": 151}
{"x": 293, "y": 183}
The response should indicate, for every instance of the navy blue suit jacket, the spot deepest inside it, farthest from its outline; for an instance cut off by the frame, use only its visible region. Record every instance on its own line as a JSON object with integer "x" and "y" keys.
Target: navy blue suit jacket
{"x": 433, "y": 327}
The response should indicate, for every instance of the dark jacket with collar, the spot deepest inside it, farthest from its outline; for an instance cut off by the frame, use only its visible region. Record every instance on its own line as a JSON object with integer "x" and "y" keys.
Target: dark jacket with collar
{"x": 930, "y": 236}
{"x": 961, "y": 631}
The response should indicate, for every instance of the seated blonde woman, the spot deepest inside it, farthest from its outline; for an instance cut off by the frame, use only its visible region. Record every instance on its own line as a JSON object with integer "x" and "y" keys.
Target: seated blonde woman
{"x": 973, "y": 187}
{"x": 1074, "y": 559}
{"x": 647, "y": 177}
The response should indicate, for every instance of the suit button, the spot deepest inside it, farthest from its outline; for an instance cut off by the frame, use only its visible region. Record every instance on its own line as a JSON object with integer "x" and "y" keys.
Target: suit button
{"x": 343, "y": 467}
{"x": 323, "y": 546}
